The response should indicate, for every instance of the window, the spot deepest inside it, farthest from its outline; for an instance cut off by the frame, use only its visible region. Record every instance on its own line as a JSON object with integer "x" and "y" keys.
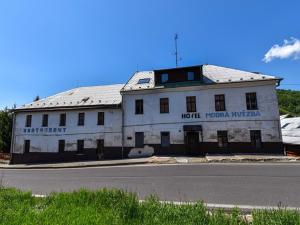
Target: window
{"x": 251, "y": 101}
{"x": 164, "y": 78}
{"x": 144, "y": 81}
{"x": 255, "y": 136}
{"x": 164, "y": 105}
{"x": 191, "y": 104}
{"x": 26, "y": 146}
{"x": 80, "y": 145}
{"x": 139, "y": 139}
{"x": 45, "y": 120}
{"x": 28, "y": 120}
{"x": 165, "y": 139}
{"x": 100, "y": 118}
{"x": 62, "y": 119}
{"x": 80, "y": 119}
{"x": 220, "y": 102}
{"x": 61, "y": 145}
{"x": 222, "y": 139}
{"x": 190, "y": 76}
{"x": 139, "y": 108}
{"x": 285, "y": 125}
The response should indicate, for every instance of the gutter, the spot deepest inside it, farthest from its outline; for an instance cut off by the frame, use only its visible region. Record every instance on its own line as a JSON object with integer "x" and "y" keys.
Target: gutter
{"x": 12, "y": 144}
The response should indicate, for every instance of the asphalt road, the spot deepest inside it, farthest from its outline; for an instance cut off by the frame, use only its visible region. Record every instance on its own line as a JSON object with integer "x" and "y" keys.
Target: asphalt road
{"x": 238, "y": 184}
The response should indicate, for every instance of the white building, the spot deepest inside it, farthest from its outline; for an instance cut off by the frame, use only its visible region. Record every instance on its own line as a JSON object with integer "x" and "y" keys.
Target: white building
{"x": 190, "y": 110}
{"x": 291, "y": 134}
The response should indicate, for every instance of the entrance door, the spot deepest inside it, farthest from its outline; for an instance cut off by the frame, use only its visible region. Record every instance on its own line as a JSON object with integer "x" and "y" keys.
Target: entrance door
{"x": 192, "y": 142}
{"x": 100, "y": 148}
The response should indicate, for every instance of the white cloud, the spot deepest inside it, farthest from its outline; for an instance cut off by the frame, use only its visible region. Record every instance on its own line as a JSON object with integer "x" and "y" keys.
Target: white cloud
{"x": 289, "y": 49}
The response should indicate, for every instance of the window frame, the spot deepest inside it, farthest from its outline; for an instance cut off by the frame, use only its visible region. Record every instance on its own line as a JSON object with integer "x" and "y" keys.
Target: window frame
{"x": 164, "y": 105}
{"x": 222, "y": 137}
{"x": 191, "y": 104}
{"x": 81, "y": 119}
{"x": 28, "y": 120}
{"x": 188, "y": 76}
{"x": 220, "y": 103}
{"x": 80, "y": 143}
{"x": 136, "y": 144}
{"x": 139, "y": 106}
{"x": 162, "y": 76}
{"x": 61, "y": 145}
{"x": 161, "y": 139}
{"x": 62, "y": 119}
{"x": 100, "y": 118}
{"x": 251, "y": 101}
{"x": 45, "y": 120}
{"x": 253, "y": 133}
{"x": 27, "y": 146}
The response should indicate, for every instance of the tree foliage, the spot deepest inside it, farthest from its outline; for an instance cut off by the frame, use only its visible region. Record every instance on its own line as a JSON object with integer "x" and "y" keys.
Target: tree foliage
{"x": 5, "y": 130}
{"x": 289, "y": 102}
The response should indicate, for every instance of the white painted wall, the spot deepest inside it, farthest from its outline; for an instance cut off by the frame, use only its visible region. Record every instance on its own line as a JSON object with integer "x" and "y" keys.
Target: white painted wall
{"x": 152, "y": 122}
{"x": 90, "y": 132}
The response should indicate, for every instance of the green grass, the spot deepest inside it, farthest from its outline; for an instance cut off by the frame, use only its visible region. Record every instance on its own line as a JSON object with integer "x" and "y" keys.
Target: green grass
{"x": 118, "y": 207}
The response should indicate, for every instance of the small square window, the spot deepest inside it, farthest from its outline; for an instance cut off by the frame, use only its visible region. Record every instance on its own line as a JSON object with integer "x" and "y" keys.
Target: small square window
{"x": 191, "y": 76}
{"x": 164, "y": 78}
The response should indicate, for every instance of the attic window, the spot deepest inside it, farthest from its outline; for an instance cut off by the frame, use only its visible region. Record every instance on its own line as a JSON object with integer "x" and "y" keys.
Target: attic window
{"x": 144, "y": 81}
{"x": 85, "y": 99}
{"x": 285, "y": 125}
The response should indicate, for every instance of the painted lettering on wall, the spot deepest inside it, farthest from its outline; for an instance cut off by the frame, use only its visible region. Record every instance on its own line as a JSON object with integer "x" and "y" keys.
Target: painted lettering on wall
{"x": 190, "y": 115}
{"x": 44, "y": 130}
{"x": 240, "y": 114}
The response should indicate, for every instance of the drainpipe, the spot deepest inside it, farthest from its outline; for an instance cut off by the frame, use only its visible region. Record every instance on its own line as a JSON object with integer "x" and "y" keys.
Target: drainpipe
{"x": 12, "y": 144}
{"x": 122, "y": 126}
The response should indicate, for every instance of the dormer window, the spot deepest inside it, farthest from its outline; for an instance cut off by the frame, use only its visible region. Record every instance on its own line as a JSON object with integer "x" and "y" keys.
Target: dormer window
{"x": 190, "y": 76}
{"x": 164, "y": 78}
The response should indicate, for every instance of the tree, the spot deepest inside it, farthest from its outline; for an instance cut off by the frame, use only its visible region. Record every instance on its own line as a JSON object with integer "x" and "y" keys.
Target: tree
{"x": 5, "y": 130}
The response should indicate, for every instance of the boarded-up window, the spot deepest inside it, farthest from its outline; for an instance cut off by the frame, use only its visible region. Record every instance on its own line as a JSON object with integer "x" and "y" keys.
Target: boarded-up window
{"x": 80, "y": 119}
{"x": 191, "y": 104}
{"x": 164, "y": 105}
{"x": 26, "y": 146}
{"x": 165, "y": 139}
{"x": 255, "y": 136}
{"x": 61, "y": 145}
{"x": 100, "y": 118}
{"x": 45, "y": 120}
{"x": 28, "y": 120}
{"x": 251, "y": 101}
{"x": 62, "y": 119}
{"x": 222, "y": 139}
{"x": 220, "y": 102}
{"x": 80, "y": 145}
{"x": 139, "y": 139}
{"x": 139, "y": 106}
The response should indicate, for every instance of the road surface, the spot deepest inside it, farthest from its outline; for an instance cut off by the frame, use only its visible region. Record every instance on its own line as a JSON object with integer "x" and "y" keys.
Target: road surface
{"x": 239, "y": 184}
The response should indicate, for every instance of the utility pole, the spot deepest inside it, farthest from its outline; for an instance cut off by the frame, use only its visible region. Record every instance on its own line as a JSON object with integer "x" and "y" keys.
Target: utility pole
{"x": 176, "y": 51}
{"x": 177, "y": 57}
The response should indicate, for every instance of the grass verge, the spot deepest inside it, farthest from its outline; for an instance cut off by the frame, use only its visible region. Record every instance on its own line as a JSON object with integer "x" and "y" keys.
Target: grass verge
{"x": 109, "y": 207}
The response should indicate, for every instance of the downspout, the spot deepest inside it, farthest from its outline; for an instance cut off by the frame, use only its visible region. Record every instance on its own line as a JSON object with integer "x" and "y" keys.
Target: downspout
{"x": 12, "y": 144}
{"x": 122, "y": 126}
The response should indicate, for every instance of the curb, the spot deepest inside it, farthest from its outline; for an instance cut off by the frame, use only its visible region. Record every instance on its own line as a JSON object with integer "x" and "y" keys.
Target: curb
{"x": 70, "y": 166}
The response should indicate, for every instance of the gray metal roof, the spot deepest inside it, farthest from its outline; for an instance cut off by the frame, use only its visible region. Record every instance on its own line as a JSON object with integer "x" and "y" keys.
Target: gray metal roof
{"x": 290, "y": 128}
{"x": 80, "y": 97}
{"x": 211, "y": 75}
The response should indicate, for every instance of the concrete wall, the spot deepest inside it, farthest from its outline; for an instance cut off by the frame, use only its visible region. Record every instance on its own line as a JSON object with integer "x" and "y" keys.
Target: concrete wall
{"x": 47, "y": 142}
{"x": 238, "y": 120}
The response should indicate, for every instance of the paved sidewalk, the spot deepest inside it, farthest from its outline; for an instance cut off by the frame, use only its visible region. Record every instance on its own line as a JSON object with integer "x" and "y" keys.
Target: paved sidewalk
{"x": 161, "y": 160}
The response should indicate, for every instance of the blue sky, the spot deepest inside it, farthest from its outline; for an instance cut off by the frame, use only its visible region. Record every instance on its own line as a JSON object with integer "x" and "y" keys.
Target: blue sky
{"x": 53, "y": 45}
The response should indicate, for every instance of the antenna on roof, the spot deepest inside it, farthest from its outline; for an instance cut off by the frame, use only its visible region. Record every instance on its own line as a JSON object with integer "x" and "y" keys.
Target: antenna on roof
{"x": 177, "y": 58}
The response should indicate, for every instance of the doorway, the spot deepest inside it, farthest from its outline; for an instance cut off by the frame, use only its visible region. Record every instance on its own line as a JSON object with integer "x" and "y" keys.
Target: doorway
{"x": 192, "y": 142}
{"x": 100, "y": 149}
